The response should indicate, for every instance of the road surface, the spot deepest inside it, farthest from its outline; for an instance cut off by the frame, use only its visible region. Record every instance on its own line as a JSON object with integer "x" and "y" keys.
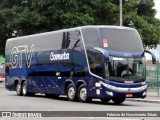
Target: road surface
{"x": 9, "y": 101}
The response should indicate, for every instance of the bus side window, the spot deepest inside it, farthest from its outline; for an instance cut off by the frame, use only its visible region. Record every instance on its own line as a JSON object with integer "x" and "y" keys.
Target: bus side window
{"x": 96, "y": 63}
{"x": 65, "y": 40}
{"x": 71, "y": 40}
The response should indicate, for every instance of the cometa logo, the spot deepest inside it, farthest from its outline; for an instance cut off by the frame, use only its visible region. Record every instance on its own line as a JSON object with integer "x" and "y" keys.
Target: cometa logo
{"x": 63, "y": 56}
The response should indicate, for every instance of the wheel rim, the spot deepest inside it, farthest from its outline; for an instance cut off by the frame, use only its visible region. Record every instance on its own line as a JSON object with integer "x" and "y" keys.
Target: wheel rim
{"x": 24, "y": 89}
{"x": 18, "y": 88}
{"x": 83, "y": 94}
{"x": 71, "y": 93}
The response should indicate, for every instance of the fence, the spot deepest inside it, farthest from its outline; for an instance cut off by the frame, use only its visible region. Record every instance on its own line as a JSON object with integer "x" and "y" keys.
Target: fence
{"x": 153, "y": 78}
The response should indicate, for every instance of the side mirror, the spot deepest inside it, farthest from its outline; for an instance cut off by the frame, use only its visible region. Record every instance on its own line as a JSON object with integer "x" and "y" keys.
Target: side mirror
{"x": 104, "y": 52}
{"x": 153, "y": 56}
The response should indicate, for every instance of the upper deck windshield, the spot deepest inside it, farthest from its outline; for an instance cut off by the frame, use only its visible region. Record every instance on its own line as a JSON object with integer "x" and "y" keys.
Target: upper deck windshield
{"x": 125, "y": 69}
{"x": 121, "y": 40}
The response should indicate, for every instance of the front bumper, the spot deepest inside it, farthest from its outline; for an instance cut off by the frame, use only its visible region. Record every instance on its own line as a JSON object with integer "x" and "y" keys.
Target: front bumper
{"x": 127, "y": 92}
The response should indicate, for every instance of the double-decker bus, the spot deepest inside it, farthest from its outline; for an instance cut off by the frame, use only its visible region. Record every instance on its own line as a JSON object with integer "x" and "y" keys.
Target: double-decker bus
{"x": 104, "y": 62}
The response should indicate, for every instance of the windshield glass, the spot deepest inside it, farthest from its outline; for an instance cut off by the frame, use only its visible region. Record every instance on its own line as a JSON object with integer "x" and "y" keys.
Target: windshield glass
{"x": 125, "y": 69}
{"x": 121, "y": 40}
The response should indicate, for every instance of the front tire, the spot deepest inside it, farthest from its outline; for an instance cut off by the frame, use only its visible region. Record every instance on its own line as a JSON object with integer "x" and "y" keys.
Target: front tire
{"x": 118, "y": 101}
{"x": 82, "y": 94}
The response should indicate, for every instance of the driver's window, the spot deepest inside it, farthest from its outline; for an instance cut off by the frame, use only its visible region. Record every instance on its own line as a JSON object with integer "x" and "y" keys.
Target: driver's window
{"x": 96, "y": 62}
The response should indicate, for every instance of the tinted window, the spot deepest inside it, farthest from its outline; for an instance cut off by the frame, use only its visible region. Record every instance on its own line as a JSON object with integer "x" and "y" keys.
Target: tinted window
{"x": 91, "y": 37}
{"x": 96, "y": 63}
{"x": 71, "y": 40}
{"x": 41, "y": 42}
{"x": 122, "y": 40}
{"x": 125, "y": 69}
{"x": 46, "y": 42}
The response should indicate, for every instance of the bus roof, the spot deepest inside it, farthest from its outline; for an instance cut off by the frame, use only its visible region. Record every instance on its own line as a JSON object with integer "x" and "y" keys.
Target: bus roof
{"x": 70, "y": 29}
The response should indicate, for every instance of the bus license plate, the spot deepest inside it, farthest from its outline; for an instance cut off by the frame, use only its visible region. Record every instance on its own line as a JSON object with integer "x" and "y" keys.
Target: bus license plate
{"x": 129, "y": 95}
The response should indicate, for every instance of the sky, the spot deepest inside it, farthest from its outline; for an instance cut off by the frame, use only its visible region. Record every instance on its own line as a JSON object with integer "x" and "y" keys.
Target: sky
{"x": 157, "y": 7}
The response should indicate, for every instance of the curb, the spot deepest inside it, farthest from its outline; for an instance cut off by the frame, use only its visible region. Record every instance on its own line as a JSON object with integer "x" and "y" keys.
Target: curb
{"x": 144, "y": 100}
{"x": 2, "y": 84}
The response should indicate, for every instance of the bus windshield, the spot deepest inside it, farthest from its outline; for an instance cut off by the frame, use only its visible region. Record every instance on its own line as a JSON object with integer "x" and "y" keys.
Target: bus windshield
{"x": 121, "y": 40}
{"x": 125, "y": 69}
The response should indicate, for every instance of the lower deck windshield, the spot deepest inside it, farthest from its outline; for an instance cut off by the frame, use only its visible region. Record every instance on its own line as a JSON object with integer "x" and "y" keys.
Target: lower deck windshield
{"x": 125, "y": 69}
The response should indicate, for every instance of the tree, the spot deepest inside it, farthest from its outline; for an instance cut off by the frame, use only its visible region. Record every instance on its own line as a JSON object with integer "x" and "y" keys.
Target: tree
{"x": 142, "y": 17}
{"x": 4, "y": 34}
{"x": 25, "y": 17}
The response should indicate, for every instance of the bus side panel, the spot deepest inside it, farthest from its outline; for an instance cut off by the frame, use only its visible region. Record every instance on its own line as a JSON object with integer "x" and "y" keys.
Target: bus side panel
{"x": 46, "y": 65}
{"x": 50, "y": 75}
{"x": 44, "y": 84}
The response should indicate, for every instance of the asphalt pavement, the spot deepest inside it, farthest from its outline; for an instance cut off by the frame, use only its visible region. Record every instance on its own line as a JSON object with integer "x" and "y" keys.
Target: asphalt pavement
{"x": 149, "y": 99}
{"x": 40, "y": 102}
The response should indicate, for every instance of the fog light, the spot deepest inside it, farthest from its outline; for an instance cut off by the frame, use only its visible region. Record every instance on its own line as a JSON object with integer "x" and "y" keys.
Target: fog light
{"x": 109, "y": 93}
{"x": 144, "y": 93}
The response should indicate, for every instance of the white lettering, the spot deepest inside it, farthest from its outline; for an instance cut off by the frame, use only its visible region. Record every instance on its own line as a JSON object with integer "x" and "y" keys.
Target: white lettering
{"x": 29, "y": 55}
{"x": 16, "y": 56}
{"x": 63, "y": 56}
{"x": 21, "y": 50}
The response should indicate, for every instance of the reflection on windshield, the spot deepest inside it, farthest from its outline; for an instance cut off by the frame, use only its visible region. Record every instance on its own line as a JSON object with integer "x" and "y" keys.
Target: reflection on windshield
{"x": 125, "y": 69}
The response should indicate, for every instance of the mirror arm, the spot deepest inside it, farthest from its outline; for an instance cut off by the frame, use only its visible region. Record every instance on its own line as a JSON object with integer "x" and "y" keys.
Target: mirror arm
{"x": 153, "y": 56}
{"x": 104, "y": 52}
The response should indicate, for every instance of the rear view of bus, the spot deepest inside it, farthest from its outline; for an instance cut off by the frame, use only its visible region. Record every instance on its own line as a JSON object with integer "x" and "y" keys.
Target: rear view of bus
{"x": 116, "y": 60}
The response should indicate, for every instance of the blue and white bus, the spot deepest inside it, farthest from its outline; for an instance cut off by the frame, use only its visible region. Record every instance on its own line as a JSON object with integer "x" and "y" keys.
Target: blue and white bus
{"x": 104, "y": 62}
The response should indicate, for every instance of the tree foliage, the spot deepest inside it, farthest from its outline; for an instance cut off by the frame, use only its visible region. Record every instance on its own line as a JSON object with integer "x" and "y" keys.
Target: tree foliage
{"x": 25, "y": 17}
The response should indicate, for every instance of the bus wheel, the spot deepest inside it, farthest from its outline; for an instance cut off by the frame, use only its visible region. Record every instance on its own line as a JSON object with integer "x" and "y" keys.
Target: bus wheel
{"x": 105, "y": 100}
{"x": 82, "y": 94}
{"x": 118, "y": 100}
{"x": 71, "y": 93}
{"x": 24, "y": 89}
{"x": 18, "y": 89}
